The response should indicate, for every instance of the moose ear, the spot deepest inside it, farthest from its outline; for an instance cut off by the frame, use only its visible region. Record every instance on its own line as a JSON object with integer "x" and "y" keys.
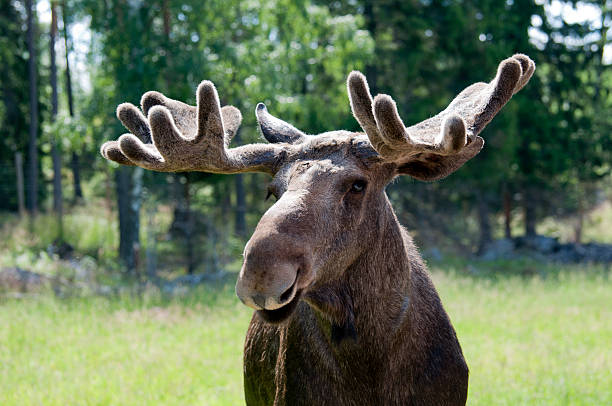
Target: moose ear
{"x": 276, "y": 130}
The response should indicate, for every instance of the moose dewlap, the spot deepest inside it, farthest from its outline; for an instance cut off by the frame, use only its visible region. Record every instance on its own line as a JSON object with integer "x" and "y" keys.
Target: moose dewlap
{"x": 346, "y": 313}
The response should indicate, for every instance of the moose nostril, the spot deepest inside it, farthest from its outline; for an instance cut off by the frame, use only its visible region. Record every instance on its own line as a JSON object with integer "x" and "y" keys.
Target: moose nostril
{"x": 286, "y": 295}
{"x": 260, "y": 300}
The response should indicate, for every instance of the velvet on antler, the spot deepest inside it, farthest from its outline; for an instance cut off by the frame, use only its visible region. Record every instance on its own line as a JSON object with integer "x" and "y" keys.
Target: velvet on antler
{"x": 438, "y": 146}
{"x": 275, "y": 130}
{"x": 176, "y": 137}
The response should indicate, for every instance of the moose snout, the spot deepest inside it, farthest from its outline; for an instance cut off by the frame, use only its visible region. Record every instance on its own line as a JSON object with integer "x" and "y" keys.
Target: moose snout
{"x": 268, "y": 289}
{"x": 272, "y": 273}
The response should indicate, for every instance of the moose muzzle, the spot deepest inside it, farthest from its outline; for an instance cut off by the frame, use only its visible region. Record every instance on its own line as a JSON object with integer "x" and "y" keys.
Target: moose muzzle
{"x": 275, "y": 268}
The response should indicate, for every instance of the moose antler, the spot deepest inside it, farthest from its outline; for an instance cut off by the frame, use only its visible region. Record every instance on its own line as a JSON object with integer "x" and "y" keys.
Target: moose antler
{"x": 176, "y": 137}
{"x": 436, "y": 147}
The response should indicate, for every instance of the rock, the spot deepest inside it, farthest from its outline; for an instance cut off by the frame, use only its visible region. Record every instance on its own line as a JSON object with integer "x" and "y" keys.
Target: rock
{"x": 181, "y": 285}
{"x": 60, "y": 248}
{"x": 539, "y": 243}
{"x": 20, "y": 280}
{"x": 84, "y": 269}
{"x": 544, "y": 248}
{"x": 498, "y": 249}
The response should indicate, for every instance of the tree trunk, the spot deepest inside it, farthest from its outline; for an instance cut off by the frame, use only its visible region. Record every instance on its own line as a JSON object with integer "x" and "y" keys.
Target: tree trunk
{"x": 579, "y": 221}
{"x": 240, "y": 224}
{"x": 507, "y": 214}
{"x": 212, "y": 243}
{"x": 168, "y": 74}
{"x": 108, "y": 187}
{"x": 129, "y": 185}
{"x": 183, "y": 226}
{"x": 484, "y": 224}
{"x": 55, "y": 152}
{"x": 151, "y": 251}
{"x": 240, "y": 211}
{"x": 529, "y": 207}
{"x": 166, "y": 15}
{"x": 371, "y": 69}
{"x": 75, "y": 166}
{"x": 189, "y": 227}
{"x": 74, "y": 163}
{"x": 32, "y": 185}
{"x": 19, "y": 172}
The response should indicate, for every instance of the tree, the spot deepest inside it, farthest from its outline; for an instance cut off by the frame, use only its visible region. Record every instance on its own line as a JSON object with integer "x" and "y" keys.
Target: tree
{"x": 75, "y": 160}
{"x": 124, "y": 27}
{"x": 55, "y": 151}
{"x": 32, "y": 181}
{"x": 14, "y": 100}
{"x": 569, "y": 154}
{"x": 539, "y": 147}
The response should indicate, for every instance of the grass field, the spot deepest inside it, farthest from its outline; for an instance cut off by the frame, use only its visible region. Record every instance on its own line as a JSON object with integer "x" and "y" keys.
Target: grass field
{"x": 529, "y": 340}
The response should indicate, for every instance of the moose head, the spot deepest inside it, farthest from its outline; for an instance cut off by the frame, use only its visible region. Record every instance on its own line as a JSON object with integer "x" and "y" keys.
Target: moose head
{"x": 330, "y": 188}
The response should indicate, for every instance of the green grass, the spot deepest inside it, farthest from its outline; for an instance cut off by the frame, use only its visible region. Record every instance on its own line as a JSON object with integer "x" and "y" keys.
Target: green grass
{"x": 95, "y": 351}
{"x": 533, "y": 341}
{"x": 528, "y": 340}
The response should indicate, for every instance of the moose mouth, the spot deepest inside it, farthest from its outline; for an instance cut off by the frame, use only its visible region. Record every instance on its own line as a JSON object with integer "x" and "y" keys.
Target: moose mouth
{"x": 281, "y": 314}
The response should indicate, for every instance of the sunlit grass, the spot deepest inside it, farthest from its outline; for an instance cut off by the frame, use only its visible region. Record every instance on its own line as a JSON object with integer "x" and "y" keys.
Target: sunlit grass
{"x": 528, "y": 341}
{"x": 93, "y": 351}
{"x": 534, "y": 341}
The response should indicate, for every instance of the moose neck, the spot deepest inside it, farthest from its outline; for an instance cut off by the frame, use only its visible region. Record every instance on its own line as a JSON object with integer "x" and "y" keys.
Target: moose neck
{"x": 371, "y": 300}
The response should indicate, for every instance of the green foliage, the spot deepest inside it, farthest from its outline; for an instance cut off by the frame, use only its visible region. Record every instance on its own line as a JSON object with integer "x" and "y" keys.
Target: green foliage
{"x": 25, "y": 242}
{"x": 550, "y": 145}
{"x": 69, "y": 132}
{"x": 14, "y": 96}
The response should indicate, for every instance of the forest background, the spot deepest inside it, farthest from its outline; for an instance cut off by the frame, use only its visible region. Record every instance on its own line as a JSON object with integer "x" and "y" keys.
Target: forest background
{"x": 67, "y": 65}
{"x": 116, "y": 284}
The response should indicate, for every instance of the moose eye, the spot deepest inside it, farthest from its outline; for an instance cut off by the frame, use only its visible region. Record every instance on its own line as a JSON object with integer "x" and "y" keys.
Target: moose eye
{"x": 358, "y": 186}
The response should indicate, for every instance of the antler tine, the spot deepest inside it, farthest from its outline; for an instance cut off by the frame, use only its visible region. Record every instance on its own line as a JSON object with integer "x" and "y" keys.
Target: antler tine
{"x": 361, "y": 106}
{"x": 185, "y": 138}
{"x": 527, "y": 68}
{"x": 275, "y": 130}
{"x": 494, "y": 96}
{"x": 134, "y": 121}
{"x": 110, "y": 150}
{"x": 385, "y": 129}
{"x": 231, "y": 121}
{"x": 439, "y": 145}
{"x": 451, "y": 135}
{"x": 185, "y": 115}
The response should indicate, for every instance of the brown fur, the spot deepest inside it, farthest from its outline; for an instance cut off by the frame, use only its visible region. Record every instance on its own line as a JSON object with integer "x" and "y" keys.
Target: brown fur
{"x": 369, "y": 328}
{"x": 346, "y": 313}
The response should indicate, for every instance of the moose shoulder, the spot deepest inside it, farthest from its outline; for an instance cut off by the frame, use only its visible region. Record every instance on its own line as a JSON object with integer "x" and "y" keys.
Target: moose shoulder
{"x": 346, "y": 313}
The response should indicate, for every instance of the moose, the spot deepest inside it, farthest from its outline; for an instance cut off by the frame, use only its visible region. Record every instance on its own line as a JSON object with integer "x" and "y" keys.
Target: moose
{"x": 345, "y": 311}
